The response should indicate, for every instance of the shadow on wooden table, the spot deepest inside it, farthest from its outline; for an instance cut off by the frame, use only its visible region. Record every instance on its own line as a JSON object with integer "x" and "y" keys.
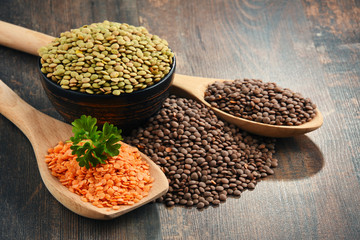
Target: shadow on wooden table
{"x": 298, "y": 157}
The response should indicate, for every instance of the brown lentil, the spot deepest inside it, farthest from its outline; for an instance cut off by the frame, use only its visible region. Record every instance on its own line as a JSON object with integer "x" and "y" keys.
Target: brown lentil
{"x": 205, "y": 159}
{"x": 261, "y": 102}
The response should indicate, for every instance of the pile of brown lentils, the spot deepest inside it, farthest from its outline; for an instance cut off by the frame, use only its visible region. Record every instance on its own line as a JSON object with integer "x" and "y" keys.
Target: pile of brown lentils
{"x": 205, "y": 159}
{"x": 260, "y": 101}
{"x": 106, "y": 58}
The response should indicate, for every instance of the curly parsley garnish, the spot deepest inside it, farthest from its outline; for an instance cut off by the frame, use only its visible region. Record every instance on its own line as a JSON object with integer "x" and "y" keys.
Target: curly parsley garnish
{"x": 91, "y": 146}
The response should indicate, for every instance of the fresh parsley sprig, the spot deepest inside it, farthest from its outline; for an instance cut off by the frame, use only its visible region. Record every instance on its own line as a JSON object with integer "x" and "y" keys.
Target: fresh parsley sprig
{"x": 91, "y": 146}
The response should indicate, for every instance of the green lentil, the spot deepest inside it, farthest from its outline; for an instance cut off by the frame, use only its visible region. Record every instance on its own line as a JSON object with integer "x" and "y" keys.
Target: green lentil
{"x": 116, "y": 92}
{"x": 97, "y": 58}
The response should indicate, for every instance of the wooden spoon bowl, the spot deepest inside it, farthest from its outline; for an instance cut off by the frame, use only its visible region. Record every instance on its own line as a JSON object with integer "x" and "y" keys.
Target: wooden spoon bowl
{"x": 126, "y": 111}
{"x": 45, "y": 132}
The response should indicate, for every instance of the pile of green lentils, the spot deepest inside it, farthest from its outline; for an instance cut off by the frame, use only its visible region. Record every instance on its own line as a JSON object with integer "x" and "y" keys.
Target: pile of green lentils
{"x": 106, "y": 58}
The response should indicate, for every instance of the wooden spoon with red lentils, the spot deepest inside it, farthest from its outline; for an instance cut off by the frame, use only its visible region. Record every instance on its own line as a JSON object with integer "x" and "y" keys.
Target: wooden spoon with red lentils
{"x": 45, "y": 133}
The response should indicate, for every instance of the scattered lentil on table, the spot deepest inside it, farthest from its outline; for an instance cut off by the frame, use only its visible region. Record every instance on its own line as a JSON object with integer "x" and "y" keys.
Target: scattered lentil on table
{"x": 106, "y": 58}
{"x": 205, "y": 159}
{"x": 261, "y": 102}
{"x": 124, "y": 180}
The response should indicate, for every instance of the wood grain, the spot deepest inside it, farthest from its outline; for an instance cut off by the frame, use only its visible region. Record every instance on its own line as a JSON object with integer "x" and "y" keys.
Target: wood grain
{"x": 310, "y": 46}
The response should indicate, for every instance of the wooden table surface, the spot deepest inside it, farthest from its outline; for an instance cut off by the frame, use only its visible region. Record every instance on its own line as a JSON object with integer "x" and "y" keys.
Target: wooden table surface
{"x": 310, "y": 46}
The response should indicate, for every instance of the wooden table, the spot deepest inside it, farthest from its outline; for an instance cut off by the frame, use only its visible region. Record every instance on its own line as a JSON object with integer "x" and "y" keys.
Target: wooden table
{"x": 310, "y": 46}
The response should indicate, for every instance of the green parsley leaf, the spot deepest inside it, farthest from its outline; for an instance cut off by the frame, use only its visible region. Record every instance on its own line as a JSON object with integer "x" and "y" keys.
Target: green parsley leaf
{"x": 91, "y": 146}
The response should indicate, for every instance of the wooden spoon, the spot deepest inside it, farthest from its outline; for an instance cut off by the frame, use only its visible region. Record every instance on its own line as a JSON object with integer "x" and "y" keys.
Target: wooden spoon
{"x": 195, "y": 87}
{"x": 30, "y": 41}
{"x": 45, "y": 132}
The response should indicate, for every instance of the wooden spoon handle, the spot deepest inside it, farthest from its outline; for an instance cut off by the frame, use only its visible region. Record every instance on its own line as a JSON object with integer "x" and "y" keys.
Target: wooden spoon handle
{"x": 15, "y": 109}
{"x": 18, "y": 111}
{"x": 193, "y": 87}
{"x": 22, "y": 39}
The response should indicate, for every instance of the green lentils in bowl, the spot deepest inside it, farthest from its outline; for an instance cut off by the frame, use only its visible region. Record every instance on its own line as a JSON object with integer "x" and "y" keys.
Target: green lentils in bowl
{"x": 106, "y": 58}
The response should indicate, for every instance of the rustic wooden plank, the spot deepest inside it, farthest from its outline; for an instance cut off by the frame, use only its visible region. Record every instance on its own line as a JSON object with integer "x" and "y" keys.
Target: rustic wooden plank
{"x": 311, "y": 46}
{"x": 335, "y": 30}
{"x": 274, "y": 41}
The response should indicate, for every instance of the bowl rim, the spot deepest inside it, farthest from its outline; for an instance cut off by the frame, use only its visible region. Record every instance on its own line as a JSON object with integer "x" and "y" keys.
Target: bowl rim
{"x": 80, "y": 94}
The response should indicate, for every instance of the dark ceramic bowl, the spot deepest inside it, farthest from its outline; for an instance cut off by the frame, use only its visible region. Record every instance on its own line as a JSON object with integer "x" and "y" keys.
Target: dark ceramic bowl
{"x": 127, "y": 111}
